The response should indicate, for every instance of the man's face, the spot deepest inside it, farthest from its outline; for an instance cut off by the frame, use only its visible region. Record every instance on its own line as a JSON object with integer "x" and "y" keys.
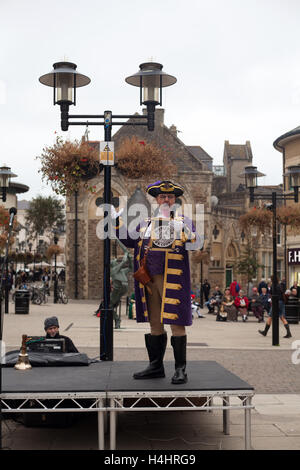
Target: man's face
{"x": 166, "y": 199}
{"x": 52, "y": 331}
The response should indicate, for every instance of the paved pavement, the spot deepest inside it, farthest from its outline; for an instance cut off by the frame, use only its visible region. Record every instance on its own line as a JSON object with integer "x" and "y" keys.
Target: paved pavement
{"x": 237, "y": 346}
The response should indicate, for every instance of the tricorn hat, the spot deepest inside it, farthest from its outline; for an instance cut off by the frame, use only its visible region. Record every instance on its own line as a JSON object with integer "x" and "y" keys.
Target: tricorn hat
{"x": 164, "y": 187}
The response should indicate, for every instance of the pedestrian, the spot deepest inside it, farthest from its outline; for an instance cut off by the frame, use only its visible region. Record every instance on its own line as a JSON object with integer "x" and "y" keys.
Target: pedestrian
{"x": 215, "y": 300}
{"x": 281, "y": 306}
{"x": 206, "y": 289}
{"x": 234, "y": 288}
{"x": 242, "y": 303}
{"x": 261, "y": 285}
{"x": 265, "y": 297}
{"x": 295, "y": 286}
{"x": 162, "y": 277}
{"x": 228, "y": 306}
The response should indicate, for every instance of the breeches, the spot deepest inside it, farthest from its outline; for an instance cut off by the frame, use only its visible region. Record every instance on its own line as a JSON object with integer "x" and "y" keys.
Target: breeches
{"x": 154, "y": 301}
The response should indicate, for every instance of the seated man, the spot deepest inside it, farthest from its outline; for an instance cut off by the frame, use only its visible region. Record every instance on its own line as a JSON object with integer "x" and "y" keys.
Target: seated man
{"x": 256, "y": 304}
{"x": 51, "y": 327}
{"x": 215, "y": 300}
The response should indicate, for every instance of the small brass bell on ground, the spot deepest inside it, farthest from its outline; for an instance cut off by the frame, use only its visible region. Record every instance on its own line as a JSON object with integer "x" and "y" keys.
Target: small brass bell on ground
{"x": 23, "y": 361}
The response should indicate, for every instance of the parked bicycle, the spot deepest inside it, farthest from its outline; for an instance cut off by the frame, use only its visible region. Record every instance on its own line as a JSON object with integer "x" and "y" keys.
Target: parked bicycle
{"x": 39, "y": 295}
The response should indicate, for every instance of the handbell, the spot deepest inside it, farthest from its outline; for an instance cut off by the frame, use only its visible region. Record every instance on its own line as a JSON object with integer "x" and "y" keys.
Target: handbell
{"x": 23, "y": 360}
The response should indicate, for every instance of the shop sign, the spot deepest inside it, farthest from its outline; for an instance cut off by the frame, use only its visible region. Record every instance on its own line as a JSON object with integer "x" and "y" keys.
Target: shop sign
{"x": 294, "y": 256}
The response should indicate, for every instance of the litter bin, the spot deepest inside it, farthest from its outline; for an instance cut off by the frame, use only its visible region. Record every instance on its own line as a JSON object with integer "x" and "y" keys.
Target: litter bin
{"x": 22, "y": 299}
{"x": 292, "y": 313}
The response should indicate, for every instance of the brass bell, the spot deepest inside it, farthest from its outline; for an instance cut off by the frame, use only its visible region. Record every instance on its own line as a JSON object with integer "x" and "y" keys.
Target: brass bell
{"x": 23, "y": 361}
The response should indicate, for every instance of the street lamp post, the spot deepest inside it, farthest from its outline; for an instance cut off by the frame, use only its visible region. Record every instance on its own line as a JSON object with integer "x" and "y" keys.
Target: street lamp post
{"x": 5, "y": 177}
{"x": 55, "y": 273}
{"x": 251, "y": 174}
{"x": 65, "y": 79}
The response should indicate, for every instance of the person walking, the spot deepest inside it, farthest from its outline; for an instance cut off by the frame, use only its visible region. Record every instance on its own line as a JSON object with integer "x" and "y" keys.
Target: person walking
{"x": 281, "y": 305}
{"x": 206, "y": 289}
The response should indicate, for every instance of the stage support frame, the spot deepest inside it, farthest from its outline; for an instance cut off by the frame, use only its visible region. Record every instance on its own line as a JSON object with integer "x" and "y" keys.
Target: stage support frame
{"x": 117, "y": 404}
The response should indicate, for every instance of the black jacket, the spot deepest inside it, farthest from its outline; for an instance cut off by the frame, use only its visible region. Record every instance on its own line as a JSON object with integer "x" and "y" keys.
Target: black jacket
{"x": 70, "y": 348}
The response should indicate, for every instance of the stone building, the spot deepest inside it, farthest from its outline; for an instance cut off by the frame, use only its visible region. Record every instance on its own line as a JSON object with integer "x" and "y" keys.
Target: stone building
{"x": 289, "y": 146}
{"x": 220, "y": 189}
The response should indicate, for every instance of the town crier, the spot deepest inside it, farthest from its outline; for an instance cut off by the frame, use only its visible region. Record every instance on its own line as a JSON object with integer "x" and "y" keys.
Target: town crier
{"x": 162, "y": 277}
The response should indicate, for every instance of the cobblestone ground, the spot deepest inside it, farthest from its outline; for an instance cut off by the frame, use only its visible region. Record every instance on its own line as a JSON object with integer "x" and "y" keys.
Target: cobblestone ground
{"x": 267, "y": 371}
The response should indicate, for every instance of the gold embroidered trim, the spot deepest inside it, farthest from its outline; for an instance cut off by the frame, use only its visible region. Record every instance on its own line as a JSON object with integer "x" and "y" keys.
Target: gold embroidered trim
{"x": 172, "y": 301}
{"x": 175, "y": 272}
{"x": 161, "y": 249}
{"x": 178, "y": 243}
{"x": 172, "y": 286}
{"x": 170, "y": 316}
{"x": 164, "y": 287}
{"x": 173, "y": 256}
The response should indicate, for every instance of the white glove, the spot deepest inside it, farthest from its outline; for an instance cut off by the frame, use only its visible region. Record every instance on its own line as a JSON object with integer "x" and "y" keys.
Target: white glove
{"x": 115, "y": 214}
{"x": 178, "y": 225}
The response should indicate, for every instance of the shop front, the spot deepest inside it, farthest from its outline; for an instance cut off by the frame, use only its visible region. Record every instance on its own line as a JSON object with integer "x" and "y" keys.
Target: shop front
{"x": 293, "y": 256}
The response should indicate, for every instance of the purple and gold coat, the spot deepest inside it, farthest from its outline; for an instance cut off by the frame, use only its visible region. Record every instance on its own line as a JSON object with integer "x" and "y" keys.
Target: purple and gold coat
{"x": 173, "y": 263}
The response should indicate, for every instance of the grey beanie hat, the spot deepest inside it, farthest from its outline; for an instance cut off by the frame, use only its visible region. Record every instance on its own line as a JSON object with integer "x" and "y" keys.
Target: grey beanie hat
{"x": 52, "y": 321}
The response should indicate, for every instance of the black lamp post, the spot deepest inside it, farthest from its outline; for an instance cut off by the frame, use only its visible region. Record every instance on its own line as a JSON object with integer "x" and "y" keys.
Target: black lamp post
{"x": 65, "y": 79}
{"x": 251, "y": 174}
{"x": 55, "y": 273}
{"x": 5, "y": 176}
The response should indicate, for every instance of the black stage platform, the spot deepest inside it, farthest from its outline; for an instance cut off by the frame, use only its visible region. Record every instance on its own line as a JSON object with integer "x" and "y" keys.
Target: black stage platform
{"x": 109, "y": 386}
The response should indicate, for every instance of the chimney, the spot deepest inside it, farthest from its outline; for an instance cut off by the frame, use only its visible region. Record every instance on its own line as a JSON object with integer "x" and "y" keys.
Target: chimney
{"x": 173, "y": 130}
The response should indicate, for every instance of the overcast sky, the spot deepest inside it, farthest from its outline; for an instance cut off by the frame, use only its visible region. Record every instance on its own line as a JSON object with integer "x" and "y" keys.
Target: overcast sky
{"x": 237, "y": 64}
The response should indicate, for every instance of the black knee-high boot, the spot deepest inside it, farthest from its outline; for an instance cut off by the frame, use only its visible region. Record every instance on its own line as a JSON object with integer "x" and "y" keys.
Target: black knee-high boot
{"x": 265, "y": 331}
{"x": 288, "y": 334}
{"x": 179, "y": 348}
{"x": 156, "y": 347}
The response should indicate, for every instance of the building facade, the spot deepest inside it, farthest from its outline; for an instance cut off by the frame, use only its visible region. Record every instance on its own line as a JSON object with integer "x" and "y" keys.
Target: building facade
{"x": 289, "y": 146}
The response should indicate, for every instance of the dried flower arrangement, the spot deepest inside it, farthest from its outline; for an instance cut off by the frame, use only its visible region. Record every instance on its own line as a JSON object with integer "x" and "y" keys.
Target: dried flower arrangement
{"x": 289, "y": 215}
{"x": 255, "y": 217}
{"x": 137, "y": 159}
{"x": 67, "y": 166}
{"x": 4, "y": 227}
{"x": 53, "y": 250}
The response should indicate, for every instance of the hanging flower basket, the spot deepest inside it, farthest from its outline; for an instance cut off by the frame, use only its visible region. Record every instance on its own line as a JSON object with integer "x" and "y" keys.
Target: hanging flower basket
{"x": 4, "y": 228}
{"x": 68, "y": 166}
{"x": 290, "y": 216}
{"x": 138, "y": 159}
{"x": 259, "y": 218}
{"x": 53, "y": 250}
